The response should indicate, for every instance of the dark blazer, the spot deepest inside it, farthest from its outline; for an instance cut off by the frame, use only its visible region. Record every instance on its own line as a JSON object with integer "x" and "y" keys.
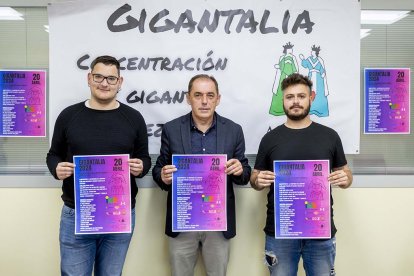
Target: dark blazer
{"x": 176, "y": 139}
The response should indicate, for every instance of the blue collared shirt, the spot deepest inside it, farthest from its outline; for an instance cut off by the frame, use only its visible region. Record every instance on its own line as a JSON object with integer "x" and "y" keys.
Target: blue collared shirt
{"x": 204, "y": 143}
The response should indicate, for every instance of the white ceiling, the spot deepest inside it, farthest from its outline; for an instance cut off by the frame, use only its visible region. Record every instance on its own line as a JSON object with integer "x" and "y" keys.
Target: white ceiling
{"x": 365, "y": 4}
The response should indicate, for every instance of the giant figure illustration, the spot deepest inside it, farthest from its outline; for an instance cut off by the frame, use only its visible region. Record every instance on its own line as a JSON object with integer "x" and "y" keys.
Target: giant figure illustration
{"x": 287, "y": 65}
{"x": 317, "y": 73}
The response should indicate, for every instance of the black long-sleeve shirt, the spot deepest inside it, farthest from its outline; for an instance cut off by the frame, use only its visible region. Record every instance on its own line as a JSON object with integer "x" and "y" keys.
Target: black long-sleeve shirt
{"x": 80, "y": 130}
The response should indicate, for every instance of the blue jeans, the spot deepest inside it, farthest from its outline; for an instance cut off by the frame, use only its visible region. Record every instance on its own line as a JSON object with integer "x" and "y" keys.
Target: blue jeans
{"x": 80, "y": 254}
{"x": 282, "y": 256}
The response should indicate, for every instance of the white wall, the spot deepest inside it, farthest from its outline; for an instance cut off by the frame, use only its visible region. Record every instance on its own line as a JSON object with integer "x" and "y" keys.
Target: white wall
{"x": 375, "y": 236}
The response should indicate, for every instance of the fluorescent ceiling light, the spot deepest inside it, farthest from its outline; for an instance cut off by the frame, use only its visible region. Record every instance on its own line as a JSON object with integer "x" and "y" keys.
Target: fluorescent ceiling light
{"x": 7, "y": 13}
{"x": 364, "y": 33}
{"x": 381, "y": 16}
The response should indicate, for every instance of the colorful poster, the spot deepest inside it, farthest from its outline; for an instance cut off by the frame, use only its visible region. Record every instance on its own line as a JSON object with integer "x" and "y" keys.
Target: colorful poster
{"x": 302, "y": 199}
{"x": 199, "y": 193}
{"x": 387, "y": 100}
{"x": 102, "y": 194}
{"x": 23, "y": 103}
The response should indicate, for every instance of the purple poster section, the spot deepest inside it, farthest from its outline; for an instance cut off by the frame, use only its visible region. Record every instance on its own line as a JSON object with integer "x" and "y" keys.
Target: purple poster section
{"x": 302, "y": 199}
{"x": 199, "y": 193}
{"x": 23, "y": 103}
{"x": 387, "y": 101}
{"x": 102, "y": 194}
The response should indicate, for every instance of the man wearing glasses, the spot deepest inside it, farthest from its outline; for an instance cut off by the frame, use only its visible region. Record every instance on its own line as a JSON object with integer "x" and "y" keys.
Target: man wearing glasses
{"x": 100, "y": 125}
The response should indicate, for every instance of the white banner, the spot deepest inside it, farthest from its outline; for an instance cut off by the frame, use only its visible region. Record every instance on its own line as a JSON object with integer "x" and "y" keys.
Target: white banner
{"x": 248, "y": 46}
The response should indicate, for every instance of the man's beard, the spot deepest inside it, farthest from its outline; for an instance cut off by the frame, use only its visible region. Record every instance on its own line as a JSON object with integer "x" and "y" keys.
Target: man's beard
{"x": 299, "y": 116}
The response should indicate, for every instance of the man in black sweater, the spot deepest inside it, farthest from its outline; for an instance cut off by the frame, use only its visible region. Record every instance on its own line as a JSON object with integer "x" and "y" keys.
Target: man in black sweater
{"x": 98, "y": 126}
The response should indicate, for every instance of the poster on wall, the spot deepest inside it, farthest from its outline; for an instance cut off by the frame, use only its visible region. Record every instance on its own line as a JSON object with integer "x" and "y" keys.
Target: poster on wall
{"x": 387, "y": 100}
{"x": 102, "y": 194}
{"x": 248, "y": 46}
{"x": 23, "y": 103}
{"x": 302, "y": 199}
{"x": 199, "y": 193}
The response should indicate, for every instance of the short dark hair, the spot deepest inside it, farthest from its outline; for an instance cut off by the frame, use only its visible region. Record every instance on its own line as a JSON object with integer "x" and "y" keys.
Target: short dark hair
{"x": 296, "y": 78}
{"x": 107, "y": 60}
{"x": 202, "y": 76}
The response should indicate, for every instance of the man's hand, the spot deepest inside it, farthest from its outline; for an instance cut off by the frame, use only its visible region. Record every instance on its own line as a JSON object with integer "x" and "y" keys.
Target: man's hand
{"x": 341, "y": 177}
{"x": 234, "y": 167}
{"x": 135, "y": 166}
{"x": 64, "y": 170}
{"x": 261, "y": 179}
{"x": 166, "y": 173}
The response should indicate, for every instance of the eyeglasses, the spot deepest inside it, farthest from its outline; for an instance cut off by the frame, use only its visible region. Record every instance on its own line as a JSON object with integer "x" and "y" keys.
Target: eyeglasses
{"x": 98, "y": 78}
